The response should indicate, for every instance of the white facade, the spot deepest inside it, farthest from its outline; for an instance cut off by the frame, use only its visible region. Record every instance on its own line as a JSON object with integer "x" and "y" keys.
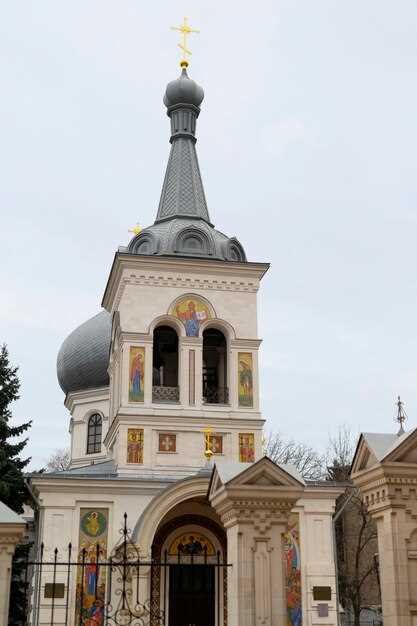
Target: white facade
{"x": 140, "y": 294}
{"x": 183, "y": 386}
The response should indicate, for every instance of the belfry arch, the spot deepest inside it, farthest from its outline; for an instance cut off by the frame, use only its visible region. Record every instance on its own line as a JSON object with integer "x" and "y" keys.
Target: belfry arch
{"x": 165, "y": 364}
{"x": 215, "y": 367}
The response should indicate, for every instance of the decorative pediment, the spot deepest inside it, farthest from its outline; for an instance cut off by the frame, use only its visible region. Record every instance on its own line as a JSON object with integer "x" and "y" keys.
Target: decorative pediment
{"x": 264, "y": 473}
{"x": 377, "y": 449}
{"x": 262, "y": 493}
{"x": 264, "y": 479}
{"x": 365, "y": 456}
{"x": 405, "y": 451}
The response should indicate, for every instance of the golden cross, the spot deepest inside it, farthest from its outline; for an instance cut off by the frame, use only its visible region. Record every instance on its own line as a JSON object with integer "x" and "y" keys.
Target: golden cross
{"x": 135, "y": 230}
{"x": 208, "y": 453}
{"x": 185, "y": 30}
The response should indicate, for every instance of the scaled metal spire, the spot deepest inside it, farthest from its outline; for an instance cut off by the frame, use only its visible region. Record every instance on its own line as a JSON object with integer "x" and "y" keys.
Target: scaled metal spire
{"x": 401, "y": 416}
{"x": 182, "y": 192}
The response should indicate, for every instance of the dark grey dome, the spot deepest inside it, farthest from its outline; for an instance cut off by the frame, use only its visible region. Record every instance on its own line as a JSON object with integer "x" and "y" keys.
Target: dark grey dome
{"x": 187, "y": 237}
{"x": 83, "y": 358}
{"x": 183, "y": 90}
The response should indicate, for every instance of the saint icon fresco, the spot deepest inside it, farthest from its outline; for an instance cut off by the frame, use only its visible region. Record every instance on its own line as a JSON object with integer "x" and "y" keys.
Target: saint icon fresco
{"x": 136, "y": 374}
{"x": 91, "y": 578}
{"x": 245, "y": 379}
{"x": 191, "y": 545}
{"x": 292, "y": 561}
{"x": 192, "y": 311}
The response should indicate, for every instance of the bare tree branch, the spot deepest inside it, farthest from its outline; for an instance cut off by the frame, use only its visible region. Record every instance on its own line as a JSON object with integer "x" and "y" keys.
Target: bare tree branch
{"x": 59, "y": 460}
{"x": 309, "y": 463}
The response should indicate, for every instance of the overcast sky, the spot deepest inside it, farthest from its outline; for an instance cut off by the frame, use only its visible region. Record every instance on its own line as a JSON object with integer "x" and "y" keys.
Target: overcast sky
{"x": 307, "y": 145}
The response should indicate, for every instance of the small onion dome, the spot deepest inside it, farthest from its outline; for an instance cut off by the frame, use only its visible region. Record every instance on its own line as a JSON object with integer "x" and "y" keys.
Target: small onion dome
{"x": 183, "y": 90}
{"x": 83, "y": 358}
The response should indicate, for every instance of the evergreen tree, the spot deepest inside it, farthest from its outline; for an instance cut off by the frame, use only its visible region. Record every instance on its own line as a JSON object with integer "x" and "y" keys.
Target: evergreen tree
{"x": 12, "y": 486}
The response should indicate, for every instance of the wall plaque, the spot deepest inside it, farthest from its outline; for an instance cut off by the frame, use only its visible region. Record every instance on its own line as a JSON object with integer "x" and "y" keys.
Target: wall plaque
{"x": 322, "y": 593}
{"x": 323, "y": 610}
{"x": 56, "y": 590}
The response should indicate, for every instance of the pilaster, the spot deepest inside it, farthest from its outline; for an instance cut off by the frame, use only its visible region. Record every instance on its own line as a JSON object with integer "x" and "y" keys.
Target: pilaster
{"x": 10, "y": 535}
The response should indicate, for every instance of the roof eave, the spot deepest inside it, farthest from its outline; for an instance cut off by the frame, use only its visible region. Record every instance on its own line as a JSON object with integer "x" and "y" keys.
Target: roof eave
{"x": 126, "y": 259}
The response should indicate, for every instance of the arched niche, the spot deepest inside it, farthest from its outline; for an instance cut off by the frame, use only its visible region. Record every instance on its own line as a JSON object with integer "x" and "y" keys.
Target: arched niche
{"x": 192, "y": 311}
{"x": 193, "y": 241}
{"x": 235, "y": 251}
{"x": 144, "y": 243}
{"x": 215, "y": 366}
{"x": 165, "y": 363}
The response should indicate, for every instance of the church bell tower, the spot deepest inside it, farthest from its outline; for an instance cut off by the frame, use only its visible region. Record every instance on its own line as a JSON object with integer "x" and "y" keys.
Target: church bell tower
{"x": 178, "y": 346}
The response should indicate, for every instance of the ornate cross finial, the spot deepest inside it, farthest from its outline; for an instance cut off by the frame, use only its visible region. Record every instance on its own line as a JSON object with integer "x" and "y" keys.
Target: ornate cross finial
{"x": 208, "y": 452}
{"x": 401, "y": 416}
{"x": 185, "y": 30}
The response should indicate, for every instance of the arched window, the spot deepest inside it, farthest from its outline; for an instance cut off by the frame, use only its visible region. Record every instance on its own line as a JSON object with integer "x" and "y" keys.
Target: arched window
{"x": 215, "y": 389}
{"x": 94, "y": 434}
{"x": 165, "y": 365}
{"x": 193, "y": 241}
{"x": 235, "y": 251}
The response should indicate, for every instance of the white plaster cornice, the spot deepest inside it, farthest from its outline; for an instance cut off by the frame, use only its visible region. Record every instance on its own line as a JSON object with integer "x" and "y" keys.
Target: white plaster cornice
{"x": 10, "y": 534}
{"x": 85, "y": 397}
{"x": 322, "y": 492}
{"x": 150, "y": 270}
{"x": 80, "y": 485}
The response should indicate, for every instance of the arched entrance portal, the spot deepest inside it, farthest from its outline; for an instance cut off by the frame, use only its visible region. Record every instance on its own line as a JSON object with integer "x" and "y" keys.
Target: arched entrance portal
{"x": 190, "y": 585}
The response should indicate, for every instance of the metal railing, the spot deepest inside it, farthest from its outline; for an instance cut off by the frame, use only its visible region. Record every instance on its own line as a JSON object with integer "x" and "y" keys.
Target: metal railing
{"x": 216, "y": 395}
{"x": 165, "y": 394}
{"x": 115, "y": 587}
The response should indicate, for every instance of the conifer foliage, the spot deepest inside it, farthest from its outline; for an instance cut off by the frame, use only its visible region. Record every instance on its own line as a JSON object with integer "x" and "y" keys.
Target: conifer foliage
{"x": 12, "y": 486}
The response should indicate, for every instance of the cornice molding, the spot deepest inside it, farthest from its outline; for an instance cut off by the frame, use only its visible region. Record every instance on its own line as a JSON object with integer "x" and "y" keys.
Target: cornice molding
{"x": 126, "y": 485}
{"x": 147, "y": 338}
{"x": 149, "y": 270}
{"x": 98, "y": 394}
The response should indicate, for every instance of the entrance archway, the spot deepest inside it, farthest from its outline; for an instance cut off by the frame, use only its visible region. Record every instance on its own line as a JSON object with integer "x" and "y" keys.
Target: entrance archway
{"x": 189, "y": 587}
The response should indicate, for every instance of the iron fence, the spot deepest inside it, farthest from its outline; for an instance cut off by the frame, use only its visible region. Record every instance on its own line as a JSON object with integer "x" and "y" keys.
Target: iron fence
{"x": 117, "y": 587}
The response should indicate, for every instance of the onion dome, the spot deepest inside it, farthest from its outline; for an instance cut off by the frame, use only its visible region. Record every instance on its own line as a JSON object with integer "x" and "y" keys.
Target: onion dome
{"x": 183, "y": 90}
{"x": 83, "y": 358}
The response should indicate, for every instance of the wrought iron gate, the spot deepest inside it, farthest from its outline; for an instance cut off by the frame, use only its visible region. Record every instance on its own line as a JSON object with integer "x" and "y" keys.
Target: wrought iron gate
{"x": 135, "y": 591}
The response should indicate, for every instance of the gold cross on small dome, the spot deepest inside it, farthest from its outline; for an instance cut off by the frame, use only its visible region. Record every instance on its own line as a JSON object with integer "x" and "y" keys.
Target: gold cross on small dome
{"x": 185, "y": 31}
{"x": 135, "y": 230}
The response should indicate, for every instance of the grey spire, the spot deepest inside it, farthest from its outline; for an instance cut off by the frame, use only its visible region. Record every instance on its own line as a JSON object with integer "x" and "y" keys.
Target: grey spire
{"x": 182, "y": 192}
{"x": 182, "y": 226}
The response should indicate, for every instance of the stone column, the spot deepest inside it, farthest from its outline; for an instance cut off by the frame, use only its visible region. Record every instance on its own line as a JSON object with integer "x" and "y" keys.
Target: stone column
{"x": 393, "y": 566}
{"x": 315, "y": 510}
{"x": 10, "y": 535}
